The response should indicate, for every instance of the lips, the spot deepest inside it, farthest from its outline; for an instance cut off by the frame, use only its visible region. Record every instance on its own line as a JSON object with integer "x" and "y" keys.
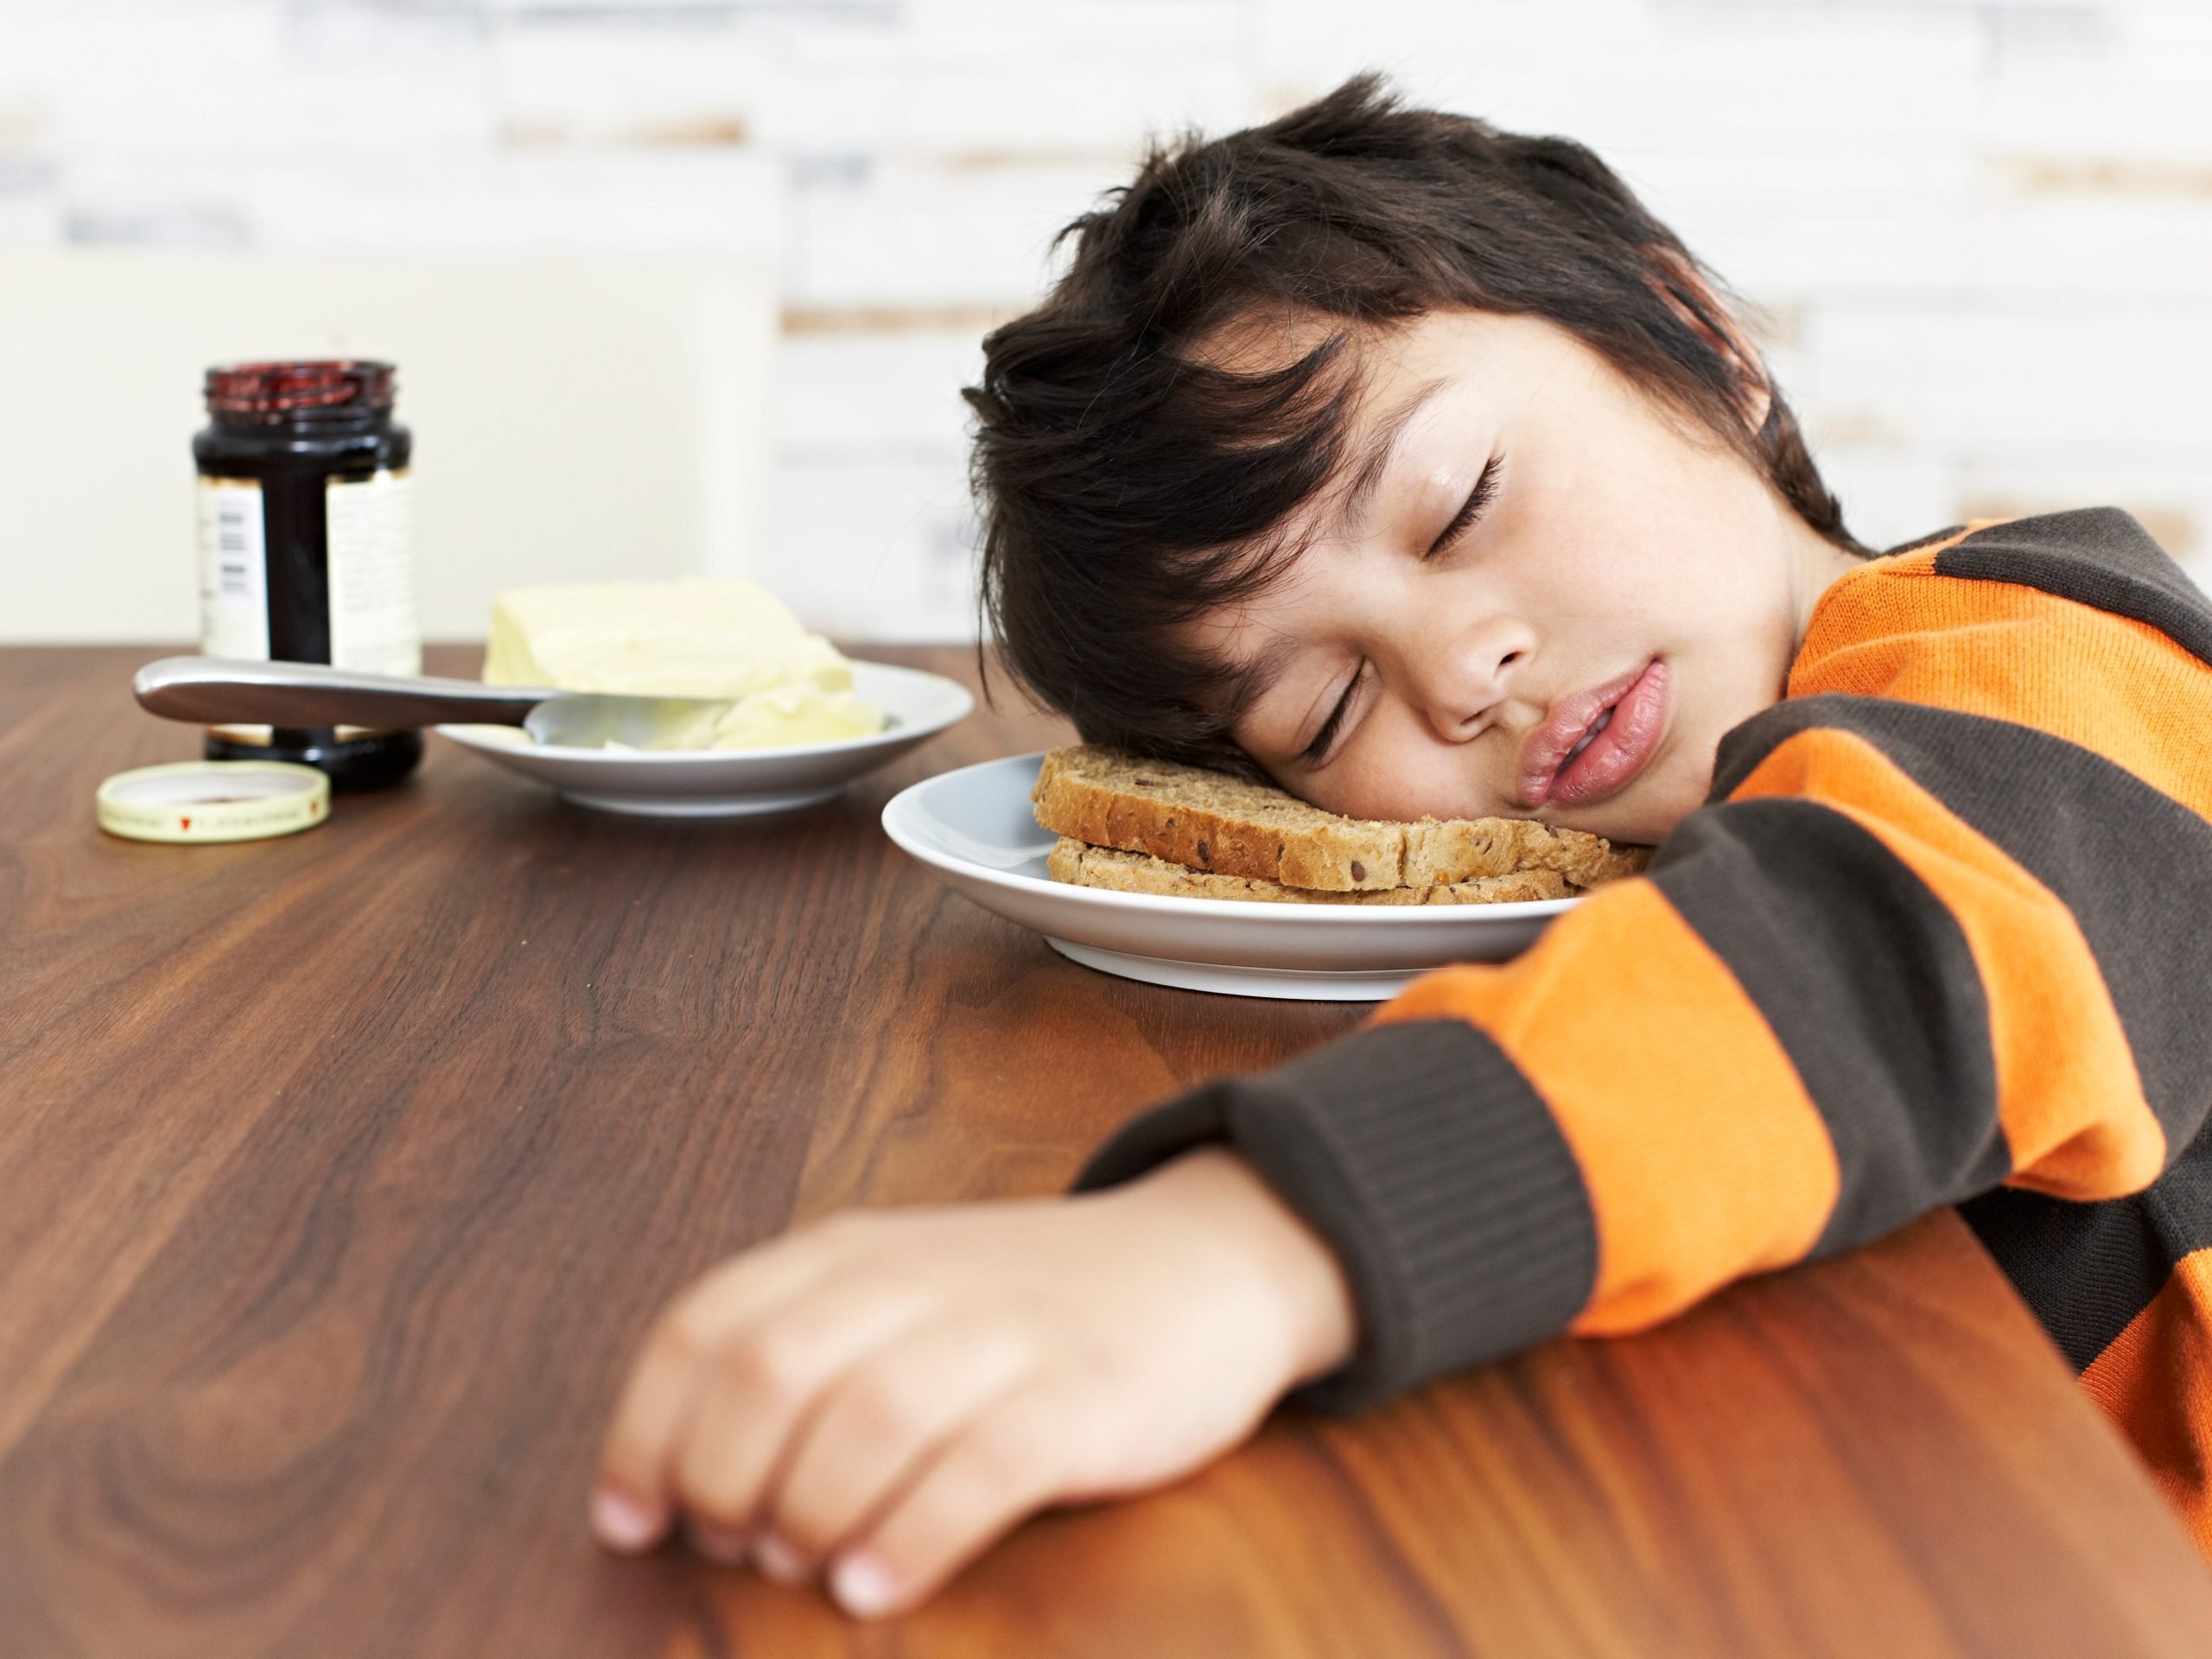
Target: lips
{"x": 1621, "y": 718}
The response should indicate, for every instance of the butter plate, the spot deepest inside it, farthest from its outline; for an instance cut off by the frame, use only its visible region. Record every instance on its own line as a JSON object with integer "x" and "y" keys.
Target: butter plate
{"x": 733, "y": 783}
{"x": 973, "y": 828}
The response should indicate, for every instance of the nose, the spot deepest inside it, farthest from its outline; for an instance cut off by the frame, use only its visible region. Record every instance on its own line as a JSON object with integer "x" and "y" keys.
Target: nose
{"x": 1458, "y": 673}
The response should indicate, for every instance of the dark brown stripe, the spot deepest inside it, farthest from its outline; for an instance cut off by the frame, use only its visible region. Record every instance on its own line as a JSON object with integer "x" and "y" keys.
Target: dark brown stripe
{"x": 1867, "y": 980}
{"x": 2180, "y": 1201}
{"x": 2132, "y": 864}
{"x": 2098, "y": 556}
{"x": 2088, "y": 1269}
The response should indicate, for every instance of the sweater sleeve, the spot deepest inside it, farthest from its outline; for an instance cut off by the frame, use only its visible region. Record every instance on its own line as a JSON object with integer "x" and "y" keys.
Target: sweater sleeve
{"x": 1940, "y": 925}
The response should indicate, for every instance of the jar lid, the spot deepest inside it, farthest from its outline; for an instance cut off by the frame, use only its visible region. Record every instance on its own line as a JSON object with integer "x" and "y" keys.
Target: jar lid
{"x": 278, "y": 393}
{"x": 213, "y": 800}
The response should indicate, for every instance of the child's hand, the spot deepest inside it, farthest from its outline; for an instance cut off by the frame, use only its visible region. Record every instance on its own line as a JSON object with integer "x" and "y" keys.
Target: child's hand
{"x": 885, "y": 1393}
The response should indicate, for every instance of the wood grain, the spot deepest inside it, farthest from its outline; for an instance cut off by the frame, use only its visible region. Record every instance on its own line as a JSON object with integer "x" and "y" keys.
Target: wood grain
{"x": 339, "y": 1173}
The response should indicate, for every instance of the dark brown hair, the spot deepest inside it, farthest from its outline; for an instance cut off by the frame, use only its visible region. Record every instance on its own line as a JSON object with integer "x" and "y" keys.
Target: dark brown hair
{"x": 1129, "y": 488}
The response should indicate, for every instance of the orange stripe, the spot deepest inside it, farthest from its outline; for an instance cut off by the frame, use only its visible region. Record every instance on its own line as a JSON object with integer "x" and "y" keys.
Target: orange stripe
{"x": 2116, "y": 687}
{"x": 1702, "y": 1155}
{"x": 2067, "y": 1088}
{"x": 2155, "y": 1382}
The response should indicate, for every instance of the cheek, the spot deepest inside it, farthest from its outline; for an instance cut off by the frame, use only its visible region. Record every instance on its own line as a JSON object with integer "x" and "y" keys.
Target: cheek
{"x": 1644, "y": 814}
{"x": 1399, "y": 770}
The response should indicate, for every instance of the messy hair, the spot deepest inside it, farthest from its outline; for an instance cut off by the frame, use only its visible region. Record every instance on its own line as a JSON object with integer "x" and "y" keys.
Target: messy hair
{"x": 1132, "y": 481}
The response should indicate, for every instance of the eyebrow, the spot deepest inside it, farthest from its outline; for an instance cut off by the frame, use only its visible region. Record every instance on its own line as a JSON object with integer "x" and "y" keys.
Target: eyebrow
{"x": 1253, "y": 680}
{"x": 1375, "y": 463}
{"x": 1258, "y": 677}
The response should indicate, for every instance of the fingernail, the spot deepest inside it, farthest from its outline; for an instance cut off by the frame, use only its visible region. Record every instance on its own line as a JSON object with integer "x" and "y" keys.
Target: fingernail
{"x": 861, "y": 1586}
{"x": 778, "y": 1559}
{"x": 621, "y": 1522}
{"x": 716, "y": 1543}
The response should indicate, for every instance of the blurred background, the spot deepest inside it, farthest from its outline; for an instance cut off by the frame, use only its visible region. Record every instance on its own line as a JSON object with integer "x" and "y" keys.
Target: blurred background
{"x": 693, "y": 285}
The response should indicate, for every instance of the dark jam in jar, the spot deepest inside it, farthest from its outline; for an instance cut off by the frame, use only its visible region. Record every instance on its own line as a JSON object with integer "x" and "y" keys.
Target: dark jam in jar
{"x": 304, "y": 548}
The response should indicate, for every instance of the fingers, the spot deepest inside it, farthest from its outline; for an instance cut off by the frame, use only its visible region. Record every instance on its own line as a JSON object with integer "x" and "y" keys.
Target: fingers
{"x": 632, "y": 1503}
{"x": 764, "y": 1384}
{"x": 879, "y": 1425}
{"x": 1014, "y": 1459}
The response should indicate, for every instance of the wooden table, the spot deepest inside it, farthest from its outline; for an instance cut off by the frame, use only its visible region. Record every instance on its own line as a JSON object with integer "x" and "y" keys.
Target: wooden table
{"x": 339, "y": 1173}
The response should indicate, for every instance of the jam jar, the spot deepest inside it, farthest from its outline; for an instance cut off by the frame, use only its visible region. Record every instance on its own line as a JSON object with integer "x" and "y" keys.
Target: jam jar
{"x": 305, "y": 548}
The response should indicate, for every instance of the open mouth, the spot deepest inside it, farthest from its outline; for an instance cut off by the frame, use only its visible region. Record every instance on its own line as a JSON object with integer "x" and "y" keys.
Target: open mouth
{"x": 1618, "y": 744}
{"x": 1584, "y": 741}
{"x": 1602, "y": 755}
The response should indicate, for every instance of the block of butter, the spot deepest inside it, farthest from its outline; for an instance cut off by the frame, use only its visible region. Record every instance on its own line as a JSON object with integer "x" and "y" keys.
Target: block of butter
{"x": 695, "y": 637}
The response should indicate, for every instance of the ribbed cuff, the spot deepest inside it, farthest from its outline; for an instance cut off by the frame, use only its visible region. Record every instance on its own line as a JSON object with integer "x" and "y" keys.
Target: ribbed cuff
{"x": 1433, "y": 1169}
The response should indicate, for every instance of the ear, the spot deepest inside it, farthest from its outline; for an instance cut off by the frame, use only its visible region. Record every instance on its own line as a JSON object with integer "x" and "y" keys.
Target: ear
{"x": 1674, "y": 279}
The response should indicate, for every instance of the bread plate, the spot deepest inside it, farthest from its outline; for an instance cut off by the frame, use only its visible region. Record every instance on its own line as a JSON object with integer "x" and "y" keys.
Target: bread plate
{"x": 733, "y": 783}
{"x": 973, "y": 828}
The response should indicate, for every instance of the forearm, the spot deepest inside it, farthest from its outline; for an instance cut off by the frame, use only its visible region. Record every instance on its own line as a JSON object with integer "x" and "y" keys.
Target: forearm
{"x": 1237, "y": 1223}
{"x": 1439, "y": 1182}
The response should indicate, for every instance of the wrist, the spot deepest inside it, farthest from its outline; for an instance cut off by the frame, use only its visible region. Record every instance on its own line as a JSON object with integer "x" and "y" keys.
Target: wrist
{"x": 1293, "y": 1267}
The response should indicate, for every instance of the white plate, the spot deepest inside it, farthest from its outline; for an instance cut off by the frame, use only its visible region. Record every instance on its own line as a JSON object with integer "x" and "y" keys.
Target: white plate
{"x": 733, "y": 783}
{"x": 975, "y": 828}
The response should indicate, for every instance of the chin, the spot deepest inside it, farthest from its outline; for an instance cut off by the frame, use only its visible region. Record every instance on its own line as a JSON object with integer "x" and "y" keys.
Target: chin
{"x": 1646, "y": 812}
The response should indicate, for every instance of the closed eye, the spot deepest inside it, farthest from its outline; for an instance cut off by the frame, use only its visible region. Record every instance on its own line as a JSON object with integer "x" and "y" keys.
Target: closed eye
{"x": 1480, "y": 497}
{"x": 1314, "y": 752}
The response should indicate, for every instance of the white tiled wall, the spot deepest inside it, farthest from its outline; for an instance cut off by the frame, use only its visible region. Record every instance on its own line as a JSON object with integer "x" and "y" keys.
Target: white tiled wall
{"x": 1978, "y": 233}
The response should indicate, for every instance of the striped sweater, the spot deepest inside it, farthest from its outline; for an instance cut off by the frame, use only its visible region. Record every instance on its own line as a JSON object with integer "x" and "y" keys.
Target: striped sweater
{"x": 1941, "y": 933}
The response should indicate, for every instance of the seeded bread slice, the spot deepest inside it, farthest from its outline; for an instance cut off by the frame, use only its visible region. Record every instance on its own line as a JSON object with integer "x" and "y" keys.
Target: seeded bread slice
{"x": 1210, "y": 822}
{"x": 1457, "y": 849}
{"x": 1081, "y": 865}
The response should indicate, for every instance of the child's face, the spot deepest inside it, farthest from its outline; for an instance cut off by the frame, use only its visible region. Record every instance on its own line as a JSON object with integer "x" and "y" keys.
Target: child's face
{"x": 1610, "y": 540}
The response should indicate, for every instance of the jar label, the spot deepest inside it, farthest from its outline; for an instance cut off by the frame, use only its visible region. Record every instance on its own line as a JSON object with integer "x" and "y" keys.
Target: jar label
{"x": 233, "y": 570}
{"x": 370, "y": 524}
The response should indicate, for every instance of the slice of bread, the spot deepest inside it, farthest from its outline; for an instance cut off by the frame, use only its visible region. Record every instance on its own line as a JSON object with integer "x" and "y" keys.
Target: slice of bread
{"x": 1212, "y": 822}
{"x": 1084, "y": 866}
{"x": 1456, "y": 849}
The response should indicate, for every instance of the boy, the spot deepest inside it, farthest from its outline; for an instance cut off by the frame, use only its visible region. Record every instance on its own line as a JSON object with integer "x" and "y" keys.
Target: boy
{"x": 1393, "y": 458}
